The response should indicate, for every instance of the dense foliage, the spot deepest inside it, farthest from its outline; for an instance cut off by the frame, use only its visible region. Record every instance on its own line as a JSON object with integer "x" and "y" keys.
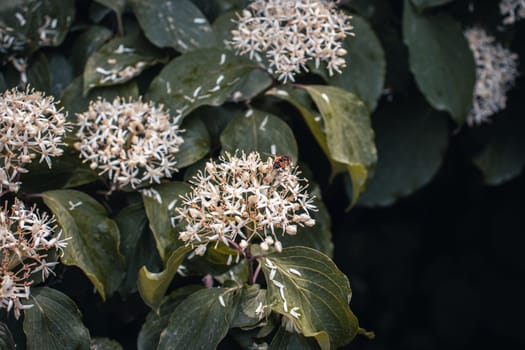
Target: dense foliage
{"x": 186, "y": 162}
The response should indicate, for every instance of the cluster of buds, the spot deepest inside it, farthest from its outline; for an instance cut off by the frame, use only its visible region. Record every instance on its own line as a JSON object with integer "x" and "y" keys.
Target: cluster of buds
{"x": 26, "y": 240}
{"x": 31, "y": 126}
{"x": 290, "y": 33}
{"x": 496, "y": 71}
{"x": 129, "y": 141}
{"x": 512, "y": 10}
{"x": 242, "y": 199}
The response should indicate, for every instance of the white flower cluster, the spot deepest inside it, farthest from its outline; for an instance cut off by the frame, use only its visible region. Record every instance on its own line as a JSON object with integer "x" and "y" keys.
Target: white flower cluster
{"x": 26, "y": 238}
{"x": 130, "y": 141}
{"x": 292, "y": 32}
{"x": 496, "y": 70}
{"x": 31, "y": 125}
{"x": 241, "y": 199}
{"x": 512, "y": 10}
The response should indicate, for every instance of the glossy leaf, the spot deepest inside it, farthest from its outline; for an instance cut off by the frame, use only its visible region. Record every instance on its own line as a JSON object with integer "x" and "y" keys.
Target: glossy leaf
{"x": 119, "y": 61}
{"x": 178, "y": 24}
{"x": 74, "y": 102}
{"x": 86, "y": 43}
{"x": 117, "y": 6}
{"x": 250, "y": 300}
{"x": 422, "y": 4}
{"x": 255, "y": 130}
{"x": 153, "y": 286}
{"x": 6, "y": 338}
{"x": 61, "y": 73}
{"x": 366, "y": 65}
{"x": 307, "y": 288}
{"x": 93, "y": 238}
{"x": 197, "y": 78}
{"x": 196, "y": 142}
{"x": 137, "y": 244}
{"x": 503, "y": 158}
{"x": 441, "y": 61}
{"x": 54, "y": 322}
{"x": 155, "y": 323}
{"x": 159, "y": 216}
{"x": 104, "y": 344}
{"x": 349, "y": 135}
{"x": 200, "y": 321}
{"x": 403, "y": 168}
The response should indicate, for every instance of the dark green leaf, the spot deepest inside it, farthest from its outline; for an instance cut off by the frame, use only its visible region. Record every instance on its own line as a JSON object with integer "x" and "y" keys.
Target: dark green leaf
{"x": 349, "y": 136}
{"x": 318, "y": 237}
{"x": 178, "y": 24}
{"x": 166, "y": 236}
{"x": 503, "y": 158}
{"x": 251, "y": 299}
{"x": 6, "y": 339}
{"x": 155, "y": 323}
{"x": 365, "y": 73}
{"x": 198, "y": 78}
{"x": 61, "y": 73}
{"x": 259, "y": 131}
{"x": 411, "y": 141}
{"x": 119, "y": 61}
{"x": 222, "y": 27}
{"x": 74, "y": 102}
{"x": 307, "y": 288}
{"x": 137, "y": 244}
{"x": 200, "y": 321}
{"x": 441, "y": 61}
{"x": 196, "y": 142}
{"x": 39, "y": 73}
{"x": 284, "y": 340}
{"x": 116, "y": 6}
{"x": 93, "y": 238}
{"x": 87, "y": 43}
{"x": 422, "y": 4}
{"x": 153, "y": 286}
{"x": 54, "y": 322}
{"x": 104, "y": 344}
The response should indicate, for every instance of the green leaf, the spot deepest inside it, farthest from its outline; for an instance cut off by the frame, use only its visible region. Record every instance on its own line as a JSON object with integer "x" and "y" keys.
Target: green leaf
{"x": 104, "y": 344}
{"x": 411, "y": 140}
{"x": 61, "y": 73}
{"x": 54, "y": 322}
{"x": 159, "y": 216}
{"x": 178, "y": 24}
{"x": 503, "y": 157}
{"x": 155, "y": 323}
{"x": 255, "y": 130}
{"x": 93, "y": 238}
{"x": 39, "y": 73}
{"x": 74, "y": 101}
{"x": 197, "y": 78}
{"x": 365, "y": 73}
{"x": 86, "y": 43}
{"x": 306, "y": 282}
{"x": 284, "y": 340}
{"x": 196, "y": 142}
{"x": 6, "y": 338}
{"x": 117, "y": 6}
{"x": 119, "y": 61}
{"x": 423, "y": 4}
{"x": 137, "y": 244}
{"x": 349, "y": 136}
{"x": 441, "y": 61}
{"x": 153, "y": 286}
{"x": 200, "y": 321}
{"x": 247, "y": 317}
{"x": 318, "y": 237}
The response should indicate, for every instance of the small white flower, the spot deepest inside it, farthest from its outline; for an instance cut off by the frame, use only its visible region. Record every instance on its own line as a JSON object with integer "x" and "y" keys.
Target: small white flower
{"x": 292, "y": 32}
{"x": 512, "y": 10}
{"x": 131, "y": 142}
{"x": 26, "y": 237}
{"x": 496, "y": 71}
{"x": 241, "y": 199}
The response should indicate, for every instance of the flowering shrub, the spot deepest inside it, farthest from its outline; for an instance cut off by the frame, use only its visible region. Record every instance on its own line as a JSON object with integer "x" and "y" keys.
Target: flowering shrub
{"x": 185, "y": 160}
